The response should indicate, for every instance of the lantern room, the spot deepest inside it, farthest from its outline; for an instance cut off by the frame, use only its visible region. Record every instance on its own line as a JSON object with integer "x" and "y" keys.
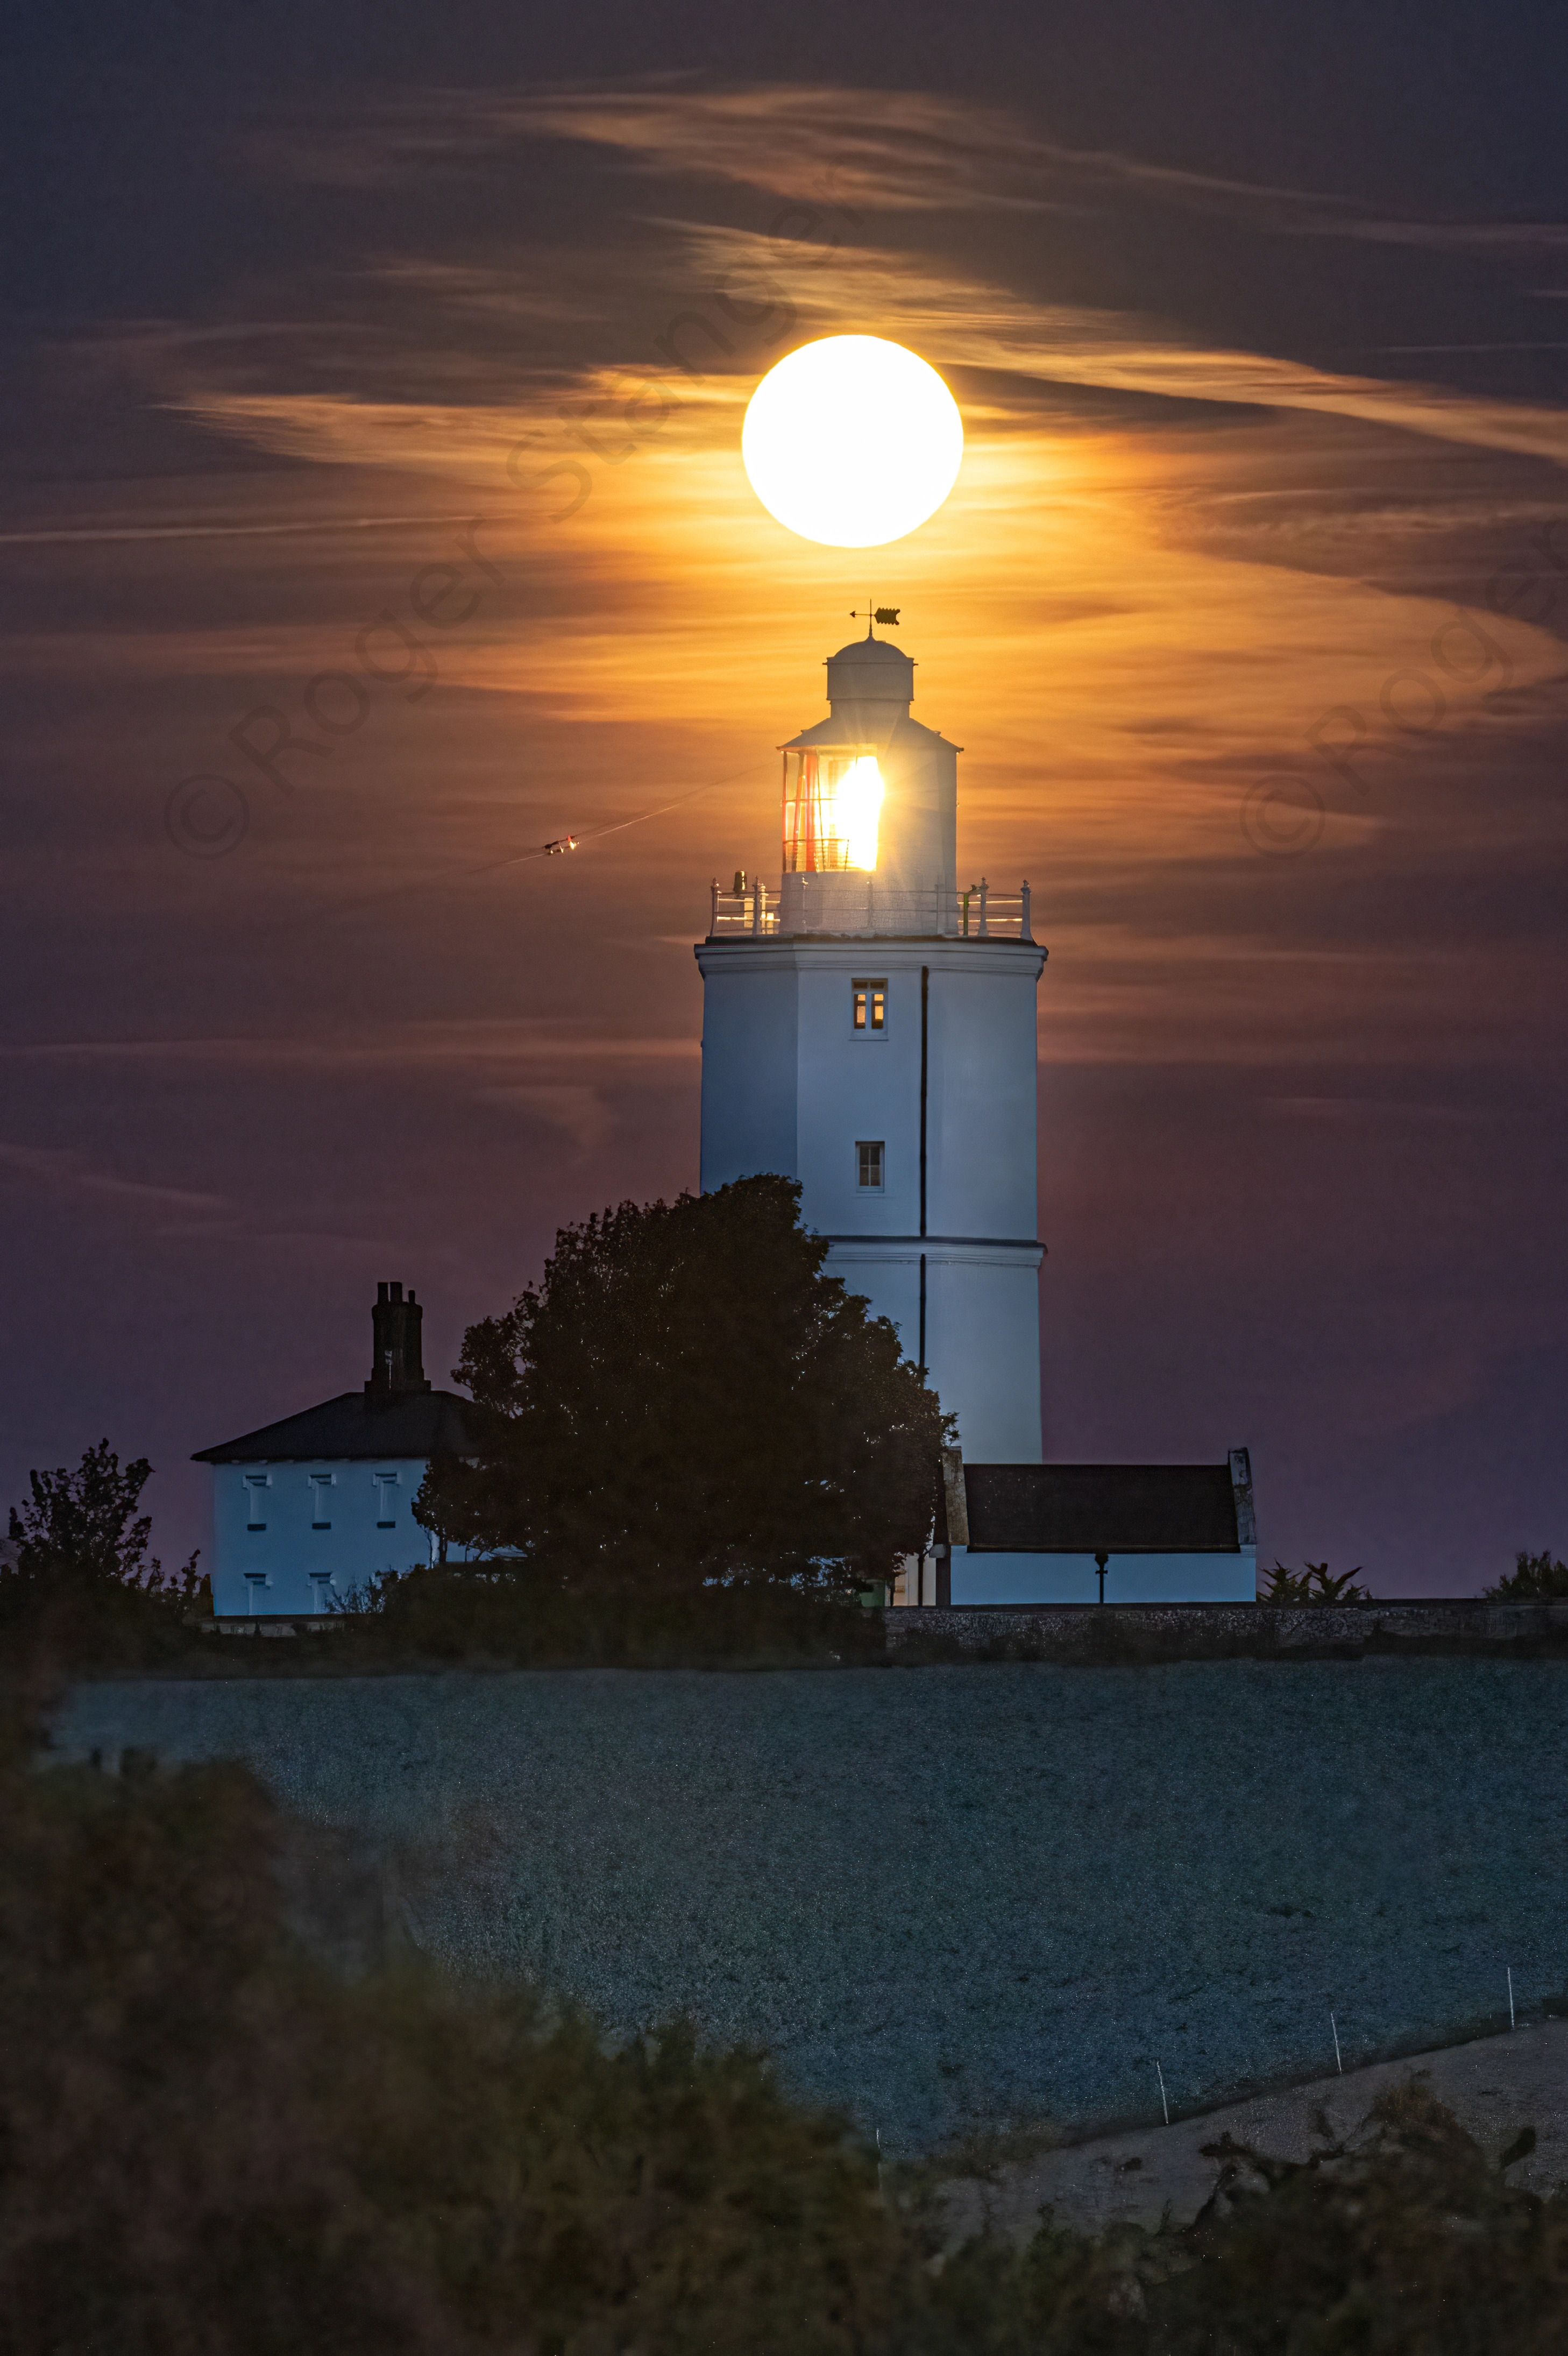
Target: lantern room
{"x": 870, "y": 806}
{"x": 832, "y": 806}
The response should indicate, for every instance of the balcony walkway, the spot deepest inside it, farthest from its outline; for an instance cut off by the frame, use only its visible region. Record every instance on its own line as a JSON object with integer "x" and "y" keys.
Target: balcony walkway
{"x": 846, "y": 906}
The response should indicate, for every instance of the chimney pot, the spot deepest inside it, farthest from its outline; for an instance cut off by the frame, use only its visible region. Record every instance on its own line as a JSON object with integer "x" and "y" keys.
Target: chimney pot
{"x": 397, "y": 1356}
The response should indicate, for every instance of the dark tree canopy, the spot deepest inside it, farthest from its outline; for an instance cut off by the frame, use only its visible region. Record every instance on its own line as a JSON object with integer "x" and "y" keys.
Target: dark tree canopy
{"x": 84, "y": 1524}
{"x": 686, "y": 1397}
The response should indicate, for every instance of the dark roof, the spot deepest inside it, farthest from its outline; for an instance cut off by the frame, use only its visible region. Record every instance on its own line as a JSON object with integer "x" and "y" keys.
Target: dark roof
{"x": 1101, "y": 1508}
{"x": 357, "y": 1424}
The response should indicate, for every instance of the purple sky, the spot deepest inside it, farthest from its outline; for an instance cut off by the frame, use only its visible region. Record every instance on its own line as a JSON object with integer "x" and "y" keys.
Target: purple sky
{"x": 1257, "y": 321}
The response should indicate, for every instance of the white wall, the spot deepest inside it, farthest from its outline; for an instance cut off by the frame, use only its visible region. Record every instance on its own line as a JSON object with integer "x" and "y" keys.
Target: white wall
{"x": 981, "y": 1115}
{"x": 982, "y": 1333}
{"x": 982, "y": 1323}
{"x": 283, "y": 1557}
{"x": 1129, "y": 1578}
{"x": 750, "y": 1040}
{"x": 789, "y": 1085}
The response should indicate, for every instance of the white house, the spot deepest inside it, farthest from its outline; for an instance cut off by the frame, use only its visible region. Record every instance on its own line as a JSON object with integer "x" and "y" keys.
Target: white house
{"x": 307, "y": 1510}
{"x": 869, "y": 1028}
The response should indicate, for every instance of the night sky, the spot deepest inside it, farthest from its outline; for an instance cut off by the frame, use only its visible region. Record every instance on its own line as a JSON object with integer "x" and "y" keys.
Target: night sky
{"x": 384, "y": 368}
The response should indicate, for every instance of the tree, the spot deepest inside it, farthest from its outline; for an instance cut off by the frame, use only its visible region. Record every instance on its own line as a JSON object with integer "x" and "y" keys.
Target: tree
{"x": 686, "y": 1397}
{"x": 84, "y": 1524}
{"x": 1537, "y": 1579}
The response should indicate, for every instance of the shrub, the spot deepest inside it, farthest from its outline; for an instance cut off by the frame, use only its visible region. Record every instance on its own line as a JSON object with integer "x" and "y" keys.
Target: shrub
{"x": 523, "y": 1615}
{"x": 1537, "y": 1579}
{"x": 210, "y": 2144}
{"x": 1313, "y": 1584}
{"x": 80, "y": 1583}
{"x": 1407, "y": 2240}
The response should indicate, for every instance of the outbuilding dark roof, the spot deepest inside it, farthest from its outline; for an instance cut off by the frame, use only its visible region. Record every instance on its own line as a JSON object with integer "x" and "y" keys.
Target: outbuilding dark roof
{"x": 357, "y": 1424}
{"x": 1101, "y": 1508}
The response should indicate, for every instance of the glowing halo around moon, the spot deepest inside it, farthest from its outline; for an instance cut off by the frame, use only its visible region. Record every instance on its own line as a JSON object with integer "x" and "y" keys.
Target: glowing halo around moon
{"x": 852, "y": 441}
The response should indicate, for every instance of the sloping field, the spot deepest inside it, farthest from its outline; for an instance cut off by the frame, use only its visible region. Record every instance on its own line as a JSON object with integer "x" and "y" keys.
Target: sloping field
{"x": 1494, "y": 2088}
{"x": 952, "y": 1899}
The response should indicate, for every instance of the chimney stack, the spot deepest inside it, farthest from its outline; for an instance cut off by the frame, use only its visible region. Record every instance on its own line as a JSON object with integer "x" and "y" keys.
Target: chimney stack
{"x": 397, "y": 1364}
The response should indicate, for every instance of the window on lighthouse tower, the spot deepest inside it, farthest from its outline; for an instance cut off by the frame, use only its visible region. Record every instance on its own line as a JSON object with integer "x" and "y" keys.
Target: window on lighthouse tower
{"x": 869, "y": 1005}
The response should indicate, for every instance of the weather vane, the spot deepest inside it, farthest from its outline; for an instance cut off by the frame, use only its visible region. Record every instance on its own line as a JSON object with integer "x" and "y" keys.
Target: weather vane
{"x": 887, "y": 614}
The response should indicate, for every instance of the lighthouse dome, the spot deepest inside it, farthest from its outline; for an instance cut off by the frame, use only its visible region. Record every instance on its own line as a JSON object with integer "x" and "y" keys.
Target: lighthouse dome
{"x": 871, "y": 670}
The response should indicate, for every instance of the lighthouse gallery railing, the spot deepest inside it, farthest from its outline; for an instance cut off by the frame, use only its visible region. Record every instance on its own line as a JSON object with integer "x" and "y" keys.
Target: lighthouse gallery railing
{"x": 977, "y": 913}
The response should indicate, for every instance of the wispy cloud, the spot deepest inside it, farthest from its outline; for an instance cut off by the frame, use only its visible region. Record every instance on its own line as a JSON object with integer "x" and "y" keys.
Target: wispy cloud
{"x": 889, "y": 150}
{"x": 519, "y": 1040}
{"x": 971, "y": 324}
{"x": 108, "y": 535}
{"x": 958, "y": 320}
{"x": 579, "y": 1113}
{"x": 62, "y": 1170}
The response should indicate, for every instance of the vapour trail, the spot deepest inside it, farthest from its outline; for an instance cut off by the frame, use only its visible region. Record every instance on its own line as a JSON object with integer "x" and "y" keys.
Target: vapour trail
{"x": 522, "y": 858}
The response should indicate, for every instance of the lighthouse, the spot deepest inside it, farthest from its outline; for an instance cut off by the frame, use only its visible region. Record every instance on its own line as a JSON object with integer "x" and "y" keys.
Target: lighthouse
{"x": 869, "y": 1028}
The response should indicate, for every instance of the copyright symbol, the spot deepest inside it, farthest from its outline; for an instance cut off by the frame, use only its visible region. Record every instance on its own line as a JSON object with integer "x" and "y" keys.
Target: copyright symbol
{"x": 1283, "y": 815}
{"x": 206, "y": 817}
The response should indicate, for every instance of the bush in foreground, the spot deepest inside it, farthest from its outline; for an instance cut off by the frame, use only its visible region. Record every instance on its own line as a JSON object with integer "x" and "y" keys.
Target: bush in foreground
{"x": 208, "y": 2144}
{"x": 210, "y": 2147}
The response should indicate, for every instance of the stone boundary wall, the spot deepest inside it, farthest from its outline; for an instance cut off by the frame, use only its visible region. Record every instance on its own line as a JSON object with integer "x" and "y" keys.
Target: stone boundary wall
{"x": 1175, "y": 1632}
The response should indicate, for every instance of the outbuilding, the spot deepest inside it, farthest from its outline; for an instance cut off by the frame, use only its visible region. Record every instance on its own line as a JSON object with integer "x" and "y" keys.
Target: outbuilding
{"x": 1091, "y": 1534}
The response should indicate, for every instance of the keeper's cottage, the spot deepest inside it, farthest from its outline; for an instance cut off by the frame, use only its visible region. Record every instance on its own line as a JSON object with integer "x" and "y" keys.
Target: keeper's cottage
{"x": 307, "y": 1510}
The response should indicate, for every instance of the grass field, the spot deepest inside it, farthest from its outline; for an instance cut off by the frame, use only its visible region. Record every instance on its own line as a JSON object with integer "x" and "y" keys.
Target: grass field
{"x": 952, "y": 1899}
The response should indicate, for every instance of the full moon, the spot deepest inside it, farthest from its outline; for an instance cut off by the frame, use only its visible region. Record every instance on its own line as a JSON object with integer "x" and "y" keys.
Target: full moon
{"x": 852, "y": 441}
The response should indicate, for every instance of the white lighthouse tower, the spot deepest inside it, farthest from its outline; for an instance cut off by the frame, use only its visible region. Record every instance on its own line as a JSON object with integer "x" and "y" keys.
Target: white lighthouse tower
{"x": 869, "y": 1028}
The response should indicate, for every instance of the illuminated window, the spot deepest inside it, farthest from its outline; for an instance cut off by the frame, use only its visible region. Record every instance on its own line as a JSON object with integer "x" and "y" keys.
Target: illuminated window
{"x": 868, "y": 1154}
{"x": 869, "y": 1002}
{"x": 386, "y": 1500}
{"x": 832, "y": 802}
{"x": 256, "y": 1487}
